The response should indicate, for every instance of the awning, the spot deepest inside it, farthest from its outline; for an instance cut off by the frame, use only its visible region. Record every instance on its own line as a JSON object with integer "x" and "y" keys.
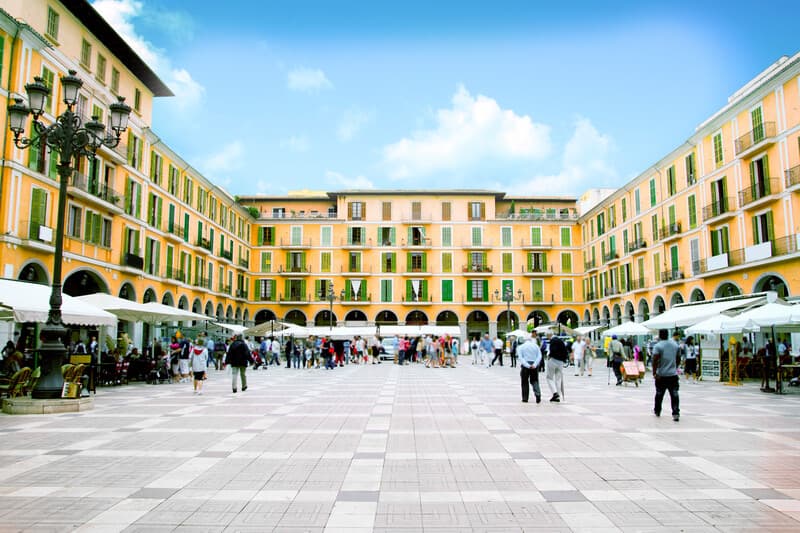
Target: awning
{"x": 235, "y": 328}
{"x": 416, "y": 331}
{"x": 715, "y": 325}
{"x": 268, "y": 328}
{"x": 627, "y": 329}
{"x": 584, "y": 330}
{"x": 773, "y": 314}
{"x": 30, "y": 302}
{"x": 683, "y": 315}
{"x": 136, "y": 312}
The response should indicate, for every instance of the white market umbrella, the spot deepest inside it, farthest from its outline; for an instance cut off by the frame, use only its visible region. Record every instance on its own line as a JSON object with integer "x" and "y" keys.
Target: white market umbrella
{"x": 518, "y": 333}
{"x": 237, "y": 329}
{"x": 30, "y": 302}
{"x": 267, "y": 328}
{"x": 172, "y": 314}
{"x": 715, "y": 325}
{"x": 768, "y": 315}
{"x": 627, "y": 329}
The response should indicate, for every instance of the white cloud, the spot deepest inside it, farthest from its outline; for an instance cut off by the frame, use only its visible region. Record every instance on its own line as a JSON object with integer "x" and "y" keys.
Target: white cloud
{"x": 229, "y": 157}
{"x": 351, "y": 123}
{"x": 585, "y": 165}
{"x": 338, "y": 180}
{"x": 308, "y": 80}
{"x": 120, "y": 14}
{"x": 472, "y": 130}
{"x": 295, "y": 144}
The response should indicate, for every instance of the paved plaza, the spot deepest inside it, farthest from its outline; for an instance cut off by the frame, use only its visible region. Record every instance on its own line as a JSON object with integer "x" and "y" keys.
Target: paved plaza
{"x": 388, "y": 448}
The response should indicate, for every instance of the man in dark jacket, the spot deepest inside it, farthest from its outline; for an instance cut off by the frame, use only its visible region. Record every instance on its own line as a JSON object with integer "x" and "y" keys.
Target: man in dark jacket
{"x": 558, "y": 356}
{"x": 238, "y": 358}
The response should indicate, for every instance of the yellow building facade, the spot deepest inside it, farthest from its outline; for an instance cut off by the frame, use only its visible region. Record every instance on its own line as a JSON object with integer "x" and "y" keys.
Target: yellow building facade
{"x": 715, "y": 217}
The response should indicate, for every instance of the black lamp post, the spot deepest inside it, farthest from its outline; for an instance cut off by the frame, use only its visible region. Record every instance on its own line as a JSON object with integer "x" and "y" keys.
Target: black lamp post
{"x": 71, "y": 139}
{"x": 508, "y": 297}
{"x": 331, "y": 297}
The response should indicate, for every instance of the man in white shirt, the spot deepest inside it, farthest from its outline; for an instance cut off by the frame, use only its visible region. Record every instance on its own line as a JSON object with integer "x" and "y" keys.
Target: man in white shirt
{"x": 578, "y": 350}
{"x": 529, "y": 358}
{"x": 275, "y": 348}
{"x": 498, "y": 351}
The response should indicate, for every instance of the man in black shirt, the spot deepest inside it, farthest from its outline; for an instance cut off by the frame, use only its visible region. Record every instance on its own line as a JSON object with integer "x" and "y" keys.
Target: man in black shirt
{"x": 558, "y": 356}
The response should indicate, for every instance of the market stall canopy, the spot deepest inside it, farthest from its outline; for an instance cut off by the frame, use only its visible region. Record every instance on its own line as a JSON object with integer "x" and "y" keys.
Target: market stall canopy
{"x": 135, "y": 312}
{"x": 30, "y": 302}
{"x": 518, "y": 333}
{"x": 234, "y": 328}
{"x": 715, "y": 325}
{"x": 173, "y": 314}
{"x": 584, "y": 330}
{"x": 773, "y": 314}
{"x": 268, "y": 328}
{"x": 416, "y": 331}
{"x": 627, "y": 329}
{"x": 555, "y": 329}
{"x": 683, "y": 315}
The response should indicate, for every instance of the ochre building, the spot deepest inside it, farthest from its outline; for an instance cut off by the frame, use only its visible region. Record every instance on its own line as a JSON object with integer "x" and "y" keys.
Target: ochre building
{"x": 718, "y": 216}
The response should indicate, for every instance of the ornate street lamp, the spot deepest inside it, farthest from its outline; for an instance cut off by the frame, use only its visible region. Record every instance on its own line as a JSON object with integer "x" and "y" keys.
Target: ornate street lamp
{"x": 71, "y": 139}
{"x": 331, "y": 297}
{"x": 508, "y": 297}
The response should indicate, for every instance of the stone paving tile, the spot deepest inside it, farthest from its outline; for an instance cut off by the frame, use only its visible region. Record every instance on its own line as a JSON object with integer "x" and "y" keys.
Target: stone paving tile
{"x": 385, "y": 448}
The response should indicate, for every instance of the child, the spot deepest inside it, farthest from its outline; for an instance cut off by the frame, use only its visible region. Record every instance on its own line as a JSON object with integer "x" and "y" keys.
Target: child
{"x": 199, "y": 364}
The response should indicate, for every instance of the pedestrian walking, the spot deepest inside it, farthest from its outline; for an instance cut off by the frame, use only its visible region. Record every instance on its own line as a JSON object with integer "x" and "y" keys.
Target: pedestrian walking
{"x": 474, "y": 347}
{"x": 578, "y": 351}
{"x": 199, "y": 362}
{"x": 557, "y": 358}
{"x": 616, "y": 353}
{"x": 691, "y": 351}
{"x": 486, "y": 348}
{"x": 530, "y": 356}
{"x": 498, "y": 351}
{"x": 238, "y": 358}
{"x": 275, "y": 350}
{"x": 666, "y": 357}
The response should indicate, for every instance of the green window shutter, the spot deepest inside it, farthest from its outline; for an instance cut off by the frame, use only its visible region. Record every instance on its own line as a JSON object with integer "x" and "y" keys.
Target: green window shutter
{"x": 409, "y": 291}
{"x": 362, "y": 294}
{"x": 530, "y": 261}
{"x": 470, "y": 298}
{"x": 724, "y": 199}
{"x": 753, "y": 174}
{"x": 410, "y": 236}
{"x": 671, "y": 212}
{"x": 544, "y": 262}
{"x": 138, "y": 201}
{"x": 692, "y": 212}
{"x": 260, "y": 237}
{"x": 97, "y": 226}
{"x": 673, "y": 253}
{"x": 537, "y": 286}
{"x": 770, "y": 227}
{"x": 447, "y": 262}
{"x": 38, "y": 211}
{"x": 124, "y": 242}
{"x": 87, "y": 230}
{"x": 128, "y": 196}
{"x": 715, "y": 242}
{"x": 424, "y": 262}
{"x": 566, "y": 239}
{"x": 612, "y": 244}
{"x": 136, "y": 240}
{"x": 409, "y": 261}
{"x": 756, "y": 236}
{"x": 171, "y": 218}
{"x": 264, "y": 261}
{"x": 159, "y": 206}
{"x": 186, "y": 227}
{"x": 378, "y": 236}
{"x": 394, "y": 261}
{"x": 484, "y": 262}
{"x": 302, "y": 260}
{"x": 725, "y": 247}
{"x": 393, "y": 236}
{"x": 317, "y": 289}
{"x": 287, "y": 288}
{"x": 150, "y": 200}
{"x": 486, "y": 290}
{"x": 652, "y": 192}
{"x": 507, "y": 262}
{"x": 130, "y": 148}
{"x": 506, "y": 236}
{"x": 326, "y": 261}
{"x": 566, "y": 263}
{"x": 447, "y": 290}
{"x": 188, "y": 273}
{"x": 423, "y": 289}
{"x": 766, "y": 175}
{"x": 170, "y": 254}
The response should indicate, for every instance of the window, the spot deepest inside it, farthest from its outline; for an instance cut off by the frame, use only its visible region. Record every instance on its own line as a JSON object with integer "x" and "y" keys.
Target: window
{"x": 601, "y": 224}
{"x": 477, "y": 233}
{"x": 114, "y": 80}
{"x": 100, "y": 72}
{"x": 692, "y": 207}
{"x": 325, "y": 260}
{"x": 49, "y": 78}
{"x": 446, "y": 210}
{"x": 188, "y": 193}
{"x": 354, "y": 262}
{"x": 133, "y": 197}
{"x": 537, "y": 290}
{"x": 355, "y": 236}
{"x": 447, "y": 290}
{"x": 566, "y": 236}
{"x": 152, "y": 253}
{"x": 296, "y": 235}
{"x": 416, "y": 236}
{"x": 266, "y": 290}
{"x": 506, "y": 236}
{"x": 624, "y": 206}
{"x": 652, "y": 192}
{"x": 536, "y": 236}
{"x": 718, "y": 153}
{"x": 691, "y": 176}
{"x": 278, "y": 212}
{"x": 416, "y": 210}
{"x": 52, "y": 23}
{"x": 637, "y": 204}
{"x": 417, "y": 262}
{"x": 174, "y": 177}
{"x": 447, "y": 236}
{"x": 74, "y": 221}
{"x": 757, "y": 123}
{"x": 386, "y": 290}
{"x": 654, "y": 227}
{"x": 672, "y": 185}
{"x": 566, "y": 290}
{"x": 612, "y": 217}
{"x": 447, "y": 261}
{"x": 477, "y": 261}
{"x": 97, "y": 230}
{"x": 719, "y": 241}
{"x": 266, "y": 236}
{"x": 477, "y": 210}
{"x": 154, "y": 206}
{"x": 508, "y": 262}
{"x": 86, "y": 54}
{"x": 537, "y": 262}
{"x": 386, "y": 210}
{"x": 355, "y": 210}
{"x": 135, "y": 151}
{"x": 477, "y": 290}
{"x": 388, "y": 262}
{"x": 566, "y": 263}
{"x": 156, "y": 167}
{"x": 762, "y": 228}
{"x": 137, "y": 100}
{"x": 266, "y": 261}
{"x": 326, "y": 236}
{"x": 657, "y": 267}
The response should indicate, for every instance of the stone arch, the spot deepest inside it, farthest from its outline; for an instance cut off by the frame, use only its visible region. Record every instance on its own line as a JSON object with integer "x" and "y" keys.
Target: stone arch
{"x": 606, "y": 316}
{"x": 209, "y": 309}
{"x": 386, "y": 318}
{"x": 659, "y": 306}
{"x": 630, "y": 314}
{"x": 596, "y": 316}
{"x": 34, "y": 271}
{"x": 183, "y": 303}
{"x": 168, "y": 299}
{"x": 477, "y": 324}
{"x": 416, "y": 318}
{"x": 197, "y": 306}
{"x": 697, "y": 295}
{"x": 537, "y": 318}
{"x": 295, "y": 316}
{"x": 644, "y": 310}
{"x": 568, "y": 317}
{"x": 726, "y": 289}
{"x": 447, "y": 318}
{"x": 265, "y": 315}
{"x": 220, "y": 312}
{"x": 127, "y": 292}
{"x": 246, "y": 317}
{"x": 85, "y": 281}
{"x": 616, "y": 313}
{"x": 356, "y": 315}
{"x": 587, "y": 317}
{"x": 237, "y": 314}
{"x": 772, "y": 281}
{"x": 149, "y": 296}
{"x": 507, "y": 321}
{"x": 324, "y": 318}
{"x": 675, "y": 299}
{"x": 229, "y": 313}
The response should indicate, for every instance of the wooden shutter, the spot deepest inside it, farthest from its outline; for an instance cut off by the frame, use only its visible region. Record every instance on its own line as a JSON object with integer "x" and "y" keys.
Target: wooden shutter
{"x": 485, "y": 289}
{"x": 97, "y": 227}
{"x": 38, "y": 211}
{"x": 725, "y": 244}
{"x": 409, "y": 291}
{"x": 715, "y": 234}
{"x": 159, "y": 205}
{"x": 186, "y": 227}
{"x": 447, "y": 290}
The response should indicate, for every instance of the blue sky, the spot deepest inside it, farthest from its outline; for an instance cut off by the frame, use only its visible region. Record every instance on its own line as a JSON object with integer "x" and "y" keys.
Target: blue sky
{"x": 523, "y": 97}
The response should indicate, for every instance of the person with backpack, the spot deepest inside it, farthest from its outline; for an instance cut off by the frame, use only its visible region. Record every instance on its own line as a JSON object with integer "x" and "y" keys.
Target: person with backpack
{"x": 183, "y": 360}
{"x": 238, "y": 358}
{"x": 617, "y": 353}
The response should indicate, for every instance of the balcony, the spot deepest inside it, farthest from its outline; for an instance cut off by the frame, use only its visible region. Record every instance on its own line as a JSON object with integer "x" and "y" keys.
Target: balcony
{"x": 244, "y": 263}
{"x": 531, "y": 244}
{"x": 265, "y": 298}
{"x": 83, "y": 187}
{"x": 224, "y": 289}
{"x": 793, "y": 177}
{"x": 750, "y": 197}
{"x": 591, "y": 296}
{"x": 718, "y": 210}
{"x": 226, "y": 254}
{"x": 638, "y": 284}
{"x": 670, "y": 231}
{"x": 174, "y": 232}
{"x": 417, "y": 300}
{"x": 349, "y": 244}
{"x": 636, "y": 246}
{"x": 355, "y": 270}
{"x": 670, "y": 276}
{"x": 755, "y": 139}
{"x": 422, "y": 242}
{"x": 294, "y": 270}
{"x": 294, "y": 297}
{"x": 589, "y": 265}
{"x": 37, "y": 232}
{"x": 175, "y": 275}
{"x": 133, "y": 261}
{"x": 538, "y": 214}
{"x": 610, "y": 257}
{"x": 203, "y": 283}
{"x": 476, "y": 269}
{"x": 355, "y": 299}
{"x": 472, "y": 245}
{"x": 537, "y": 270}
{"x": 417, "y": 270}
{"x": 610, "y": 291}
{"x": 204, "y": 244}
{"x": 241, "y": 293}
{"x": 296, "y": 244}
